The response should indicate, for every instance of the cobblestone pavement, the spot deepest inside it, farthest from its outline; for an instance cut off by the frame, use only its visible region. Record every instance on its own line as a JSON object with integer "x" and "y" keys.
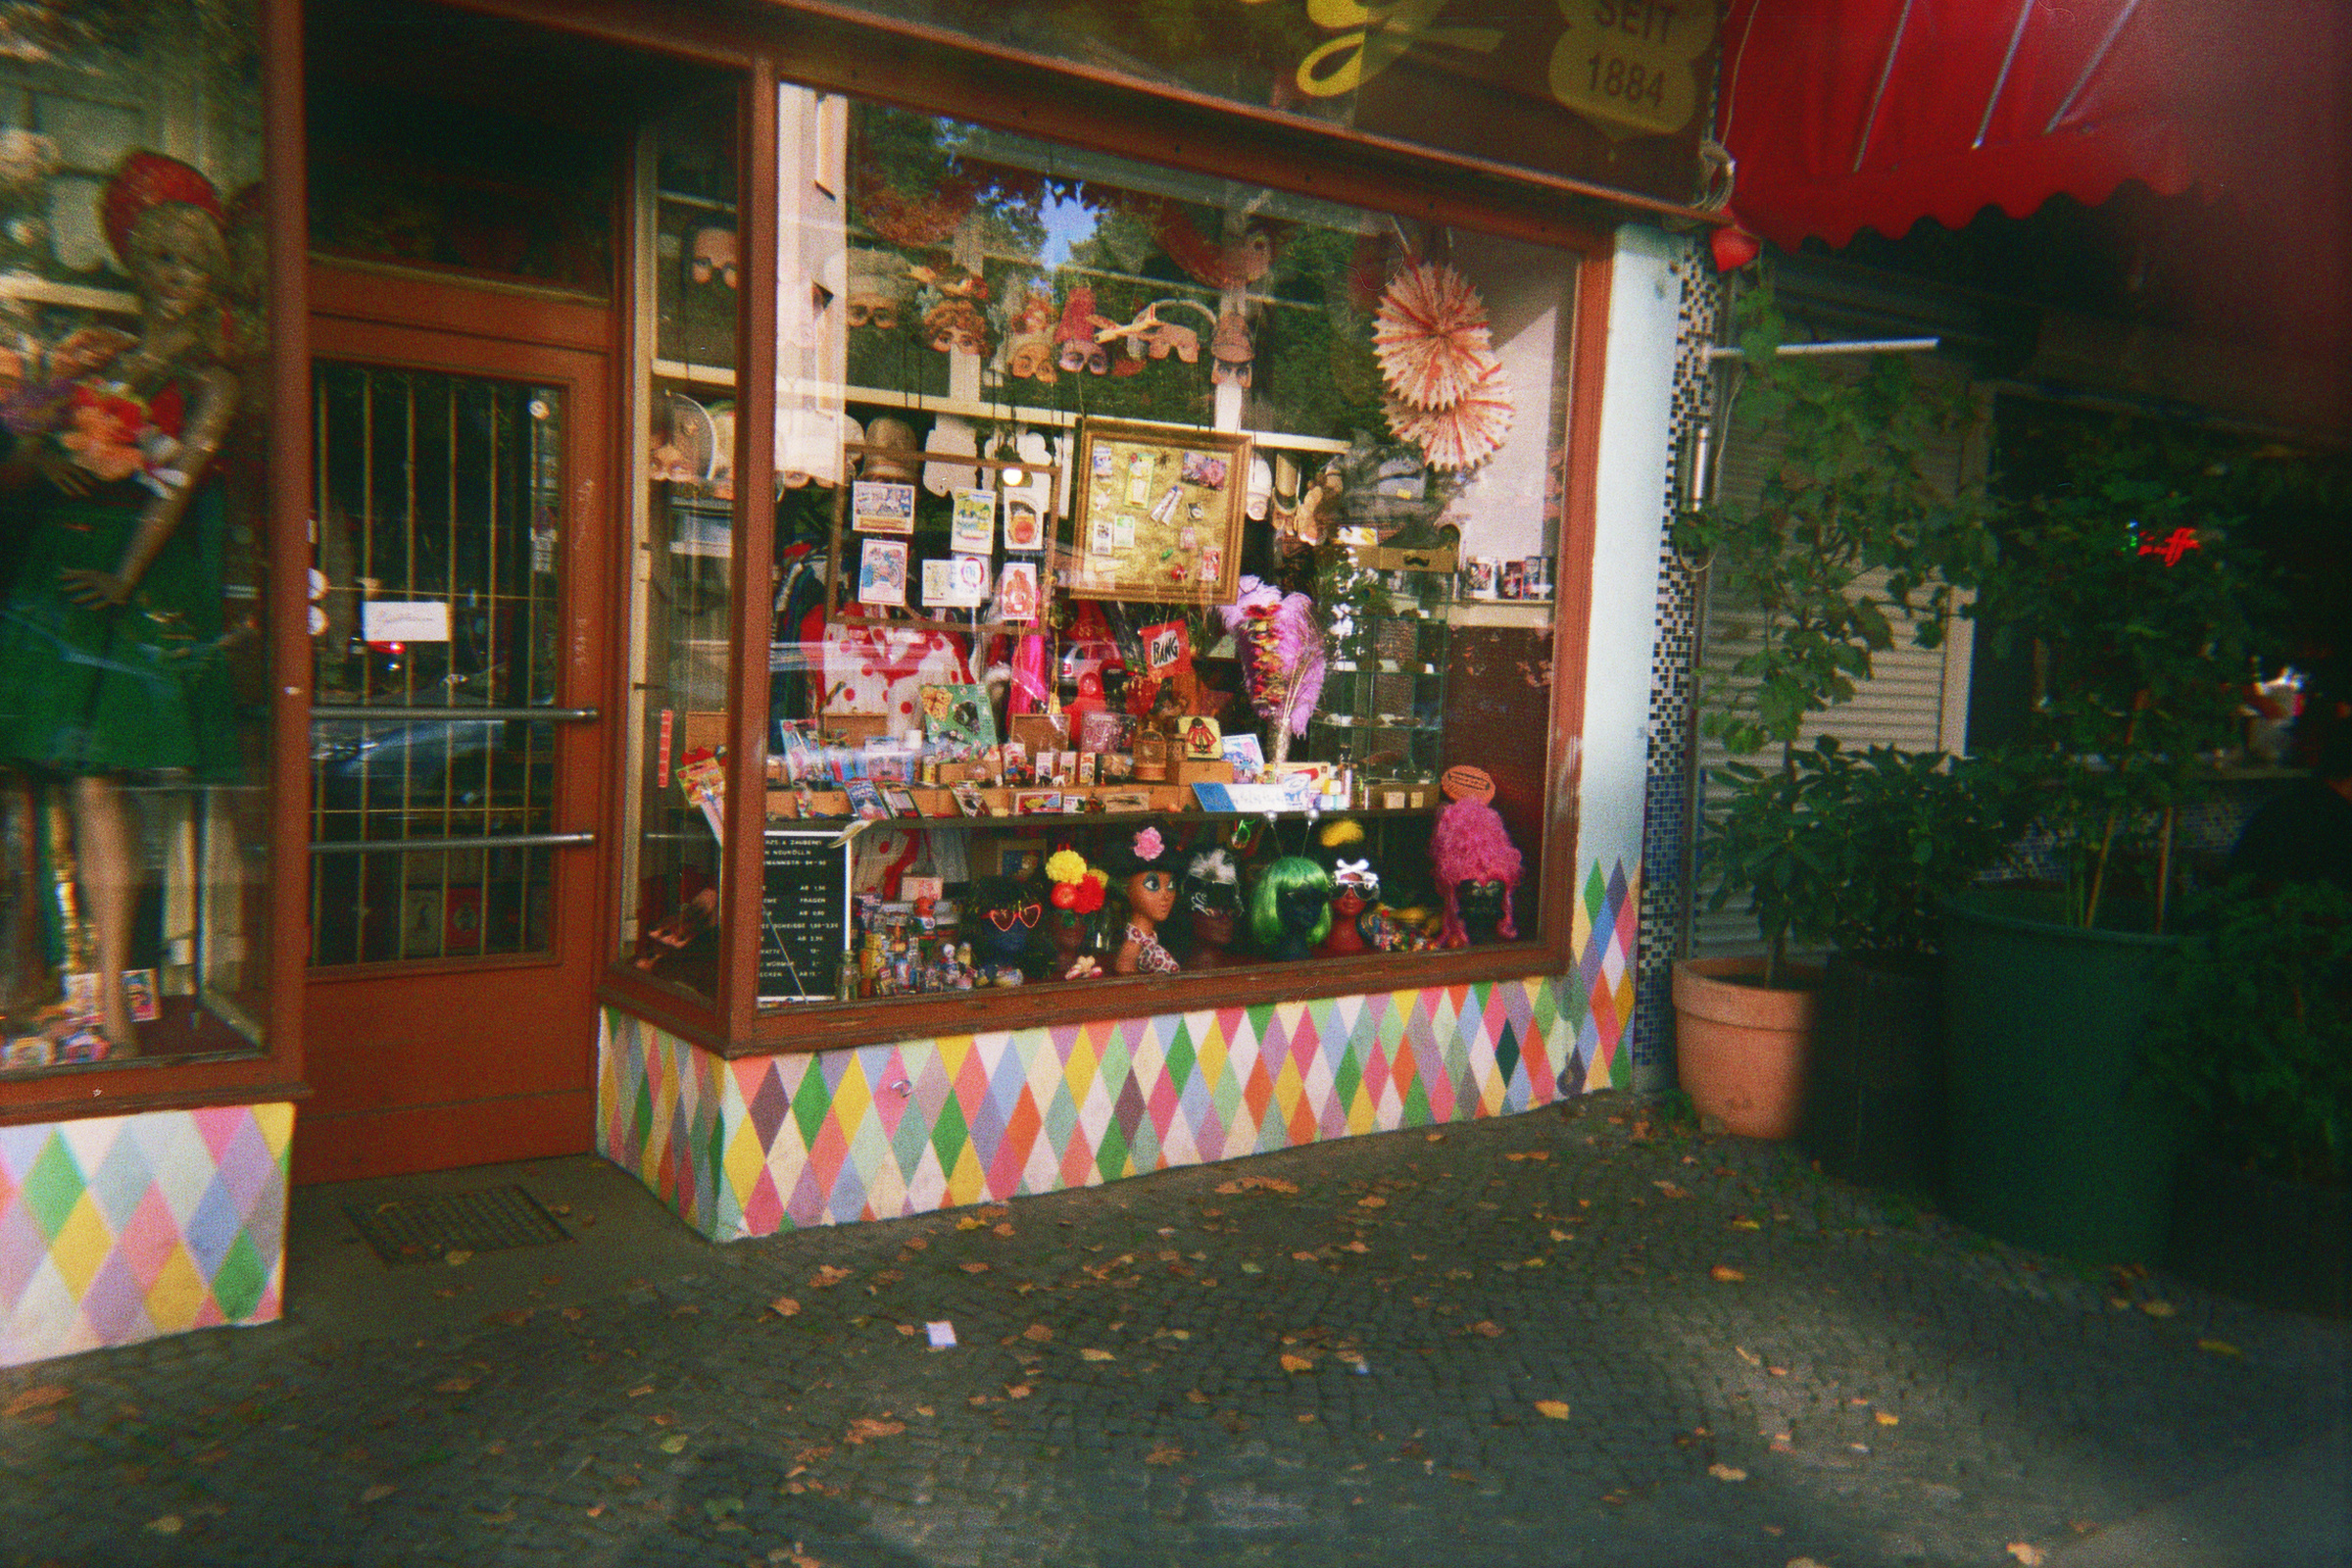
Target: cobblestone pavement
{"x": 1567, "y": 1336}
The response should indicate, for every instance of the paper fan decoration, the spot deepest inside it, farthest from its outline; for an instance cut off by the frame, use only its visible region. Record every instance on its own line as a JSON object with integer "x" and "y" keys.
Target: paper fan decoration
{"x": 1464, "y": 434}
{"x": 1430, "y": 335}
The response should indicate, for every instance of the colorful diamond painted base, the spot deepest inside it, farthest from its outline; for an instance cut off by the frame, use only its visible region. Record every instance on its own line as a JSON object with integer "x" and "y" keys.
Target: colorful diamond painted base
{"x": 1605, "y": 937}
{"x": 123, "y": 1228}
{"x": 748, "y": 1148}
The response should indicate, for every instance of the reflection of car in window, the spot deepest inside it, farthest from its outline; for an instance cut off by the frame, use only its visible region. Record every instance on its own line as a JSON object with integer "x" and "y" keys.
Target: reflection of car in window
{"x": 425, "y": 766}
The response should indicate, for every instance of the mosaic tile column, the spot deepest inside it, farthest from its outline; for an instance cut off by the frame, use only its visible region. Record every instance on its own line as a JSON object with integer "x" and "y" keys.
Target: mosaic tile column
{"x": 1666, "y": 894}
{"x": 118, "y": 1229}
{"x": 746, "y": 1147}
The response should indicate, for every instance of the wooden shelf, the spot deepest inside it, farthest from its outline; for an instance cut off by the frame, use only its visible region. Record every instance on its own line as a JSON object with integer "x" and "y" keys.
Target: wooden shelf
{"x": 693, "y": 375}
{"x": 1047, "y": 820}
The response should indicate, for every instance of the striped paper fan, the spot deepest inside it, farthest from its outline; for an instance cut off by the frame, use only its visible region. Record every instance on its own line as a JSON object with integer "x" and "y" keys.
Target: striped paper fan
{"x": 1431, "y": 337}
{"x": 1466, "y": 434}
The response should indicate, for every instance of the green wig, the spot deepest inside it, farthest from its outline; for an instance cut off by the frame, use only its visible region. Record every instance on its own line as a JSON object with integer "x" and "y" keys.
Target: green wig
{"x": 1293, "y": 873}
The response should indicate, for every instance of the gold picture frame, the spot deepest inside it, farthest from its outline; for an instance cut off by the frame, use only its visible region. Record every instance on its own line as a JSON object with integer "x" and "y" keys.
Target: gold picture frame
{"x": 1156, "y": 513}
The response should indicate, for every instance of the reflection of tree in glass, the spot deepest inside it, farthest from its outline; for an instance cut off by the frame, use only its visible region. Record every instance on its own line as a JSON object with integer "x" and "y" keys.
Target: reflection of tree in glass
{"x": 1315, "y": 373}
{"x": 916, "y": 157}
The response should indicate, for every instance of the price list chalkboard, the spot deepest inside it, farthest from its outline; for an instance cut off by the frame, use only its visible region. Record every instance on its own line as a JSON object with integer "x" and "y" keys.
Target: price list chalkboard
{"x": 803, "y": 914}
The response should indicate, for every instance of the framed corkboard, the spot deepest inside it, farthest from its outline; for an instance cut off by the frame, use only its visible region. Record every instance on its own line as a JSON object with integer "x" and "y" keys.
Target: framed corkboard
{"x": 1155, "y": 514}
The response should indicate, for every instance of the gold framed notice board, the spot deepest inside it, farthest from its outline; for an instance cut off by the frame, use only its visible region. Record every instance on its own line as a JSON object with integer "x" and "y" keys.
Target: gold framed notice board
{"x": 1156, "y": 513}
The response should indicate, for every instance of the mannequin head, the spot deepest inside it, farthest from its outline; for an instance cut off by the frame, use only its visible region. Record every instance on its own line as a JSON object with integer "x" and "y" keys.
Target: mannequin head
{"x": 1291, "y": 911}
{"x": 163, "y": 220}
{"x": 1002, "y": 917}
{"x": 1146, "y": 867}
{"x": 1212, "y": 897}
{"x": 1073, "y": 898}
{"x": 1477, "y": 869}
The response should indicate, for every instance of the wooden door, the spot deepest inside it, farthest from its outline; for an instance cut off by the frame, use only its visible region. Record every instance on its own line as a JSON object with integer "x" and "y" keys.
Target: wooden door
{"x": 463, "y": 531}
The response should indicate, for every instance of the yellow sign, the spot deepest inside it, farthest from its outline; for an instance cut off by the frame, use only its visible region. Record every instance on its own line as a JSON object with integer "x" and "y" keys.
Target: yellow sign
{"x": 1378, "y": 37}
{"x": 1626, "y": 65}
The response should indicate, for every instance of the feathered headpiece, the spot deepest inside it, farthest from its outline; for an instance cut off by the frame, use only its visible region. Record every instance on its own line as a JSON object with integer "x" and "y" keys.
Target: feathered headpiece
{"x": 146, "y": 181}
{"x": 1282, "y": 651}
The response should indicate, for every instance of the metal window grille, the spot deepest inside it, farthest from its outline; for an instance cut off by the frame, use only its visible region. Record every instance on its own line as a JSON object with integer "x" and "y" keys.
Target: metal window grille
{"x": 435, "y": 557}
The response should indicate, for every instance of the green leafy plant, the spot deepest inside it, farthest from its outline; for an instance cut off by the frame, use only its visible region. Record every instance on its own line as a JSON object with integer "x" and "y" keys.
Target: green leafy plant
{"x": 1852, "y": 527}
{"x": 2143, "y": 614}
{"x": 1901, "y": 832}
{"x": 1858, "y": 849}
{"x": 2254, "y": 1030}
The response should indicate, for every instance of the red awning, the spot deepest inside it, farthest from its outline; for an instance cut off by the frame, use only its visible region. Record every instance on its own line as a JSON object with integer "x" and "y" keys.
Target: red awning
{"x": 1852, "y": 114}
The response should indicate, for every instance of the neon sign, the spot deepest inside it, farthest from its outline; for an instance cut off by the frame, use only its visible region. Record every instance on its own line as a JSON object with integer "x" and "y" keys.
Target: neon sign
{"x": 2173, "y": 546}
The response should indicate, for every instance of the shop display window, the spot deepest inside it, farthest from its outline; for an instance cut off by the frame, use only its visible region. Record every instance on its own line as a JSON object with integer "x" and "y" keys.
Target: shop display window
{"x": 1163, "y": 576}
{"x": 689, "y": 289}
{"x": 133, "y": 681}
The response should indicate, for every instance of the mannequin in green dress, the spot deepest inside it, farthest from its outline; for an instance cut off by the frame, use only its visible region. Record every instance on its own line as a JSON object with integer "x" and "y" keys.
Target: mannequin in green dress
{"x": 110, "y": 640}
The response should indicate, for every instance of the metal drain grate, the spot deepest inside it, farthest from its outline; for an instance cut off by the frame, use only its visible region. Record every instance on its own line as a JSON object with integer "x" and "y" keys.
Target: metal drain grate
{"x": 425, "y": 1230}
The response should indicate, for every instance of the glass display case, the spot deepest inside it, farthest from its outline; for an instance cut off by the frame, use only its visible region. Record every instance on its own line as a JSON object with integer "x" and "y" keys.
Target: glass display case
{"x": 1116, "y": 534}
{"x": 688, "y": 293}
{"x": 136, "y": 689}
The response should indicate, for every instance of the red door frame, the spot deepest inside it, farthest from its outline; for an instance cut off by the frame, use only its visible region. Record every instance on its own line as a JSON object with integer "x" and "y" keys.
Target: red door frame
{"x": 442, "y": 1063}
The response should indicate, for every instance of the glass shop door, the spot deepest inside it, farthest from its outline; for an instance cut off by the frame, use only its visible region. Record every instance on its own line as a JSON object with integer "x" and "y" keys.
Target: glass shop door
{"x": 460, "y": 531}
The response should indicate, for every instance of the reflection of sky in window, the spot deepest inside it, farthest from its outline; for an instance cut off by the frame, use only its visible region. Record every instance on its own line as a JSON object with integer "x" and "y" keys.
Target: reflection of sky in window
{"x": 1067, "y": 223}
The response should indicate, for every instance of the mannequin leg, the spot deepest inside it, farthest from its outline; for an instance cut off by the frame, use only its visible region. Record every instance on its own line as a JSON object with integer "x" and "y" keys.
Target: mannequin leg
{"x": 29, "y": 979}
{"x": 109, "y": 882}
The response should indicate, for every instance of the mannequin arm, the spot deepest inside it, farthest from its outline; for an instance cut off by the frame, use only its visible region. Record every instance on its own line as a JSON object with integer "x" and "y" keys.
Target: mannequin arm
{"x": 208, "y": 422}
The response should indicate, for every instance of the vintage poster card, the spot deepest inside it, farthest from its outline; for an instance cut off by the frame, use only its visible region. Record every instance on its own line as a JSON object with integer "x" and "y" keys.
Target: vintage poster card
{"x": 882, "y": 506}
{"x": 882, "y": 572}
{"x": 1016, "y": 592}
{"x": 1024, "y": 525}
{"x": 972, "y": 530}
{"x": 956, "y": 582}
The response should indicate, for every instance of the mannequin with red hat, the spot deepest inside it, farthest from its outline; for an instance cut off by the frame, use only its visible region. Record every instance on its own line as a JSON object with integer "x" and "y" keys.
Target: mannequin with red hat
{"x": 110, "y": 642}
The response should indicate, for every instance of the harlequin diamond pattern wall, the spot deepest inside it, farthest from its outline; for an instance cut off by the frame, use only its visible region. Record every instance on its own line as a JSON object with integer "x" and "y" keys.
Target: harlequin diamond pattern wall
{"x": 1607, "y": 933}
{"x": 750, "y": 1147}
{"x": 121, "y": 1228}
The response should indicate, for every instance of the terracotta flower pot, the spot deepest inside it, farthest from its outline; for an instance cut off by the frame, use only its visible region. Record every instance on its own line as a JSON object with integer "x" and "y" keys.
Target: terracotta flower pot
{"x": 1740, "y": 1049}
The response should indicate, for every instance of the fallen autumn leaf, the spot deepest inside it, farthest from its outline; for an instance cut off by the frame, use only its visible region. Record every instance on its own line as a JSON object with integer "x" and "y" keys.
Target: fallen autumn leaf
{"x": 37, "y": 1398}
{"x": 1556, "y": 1410}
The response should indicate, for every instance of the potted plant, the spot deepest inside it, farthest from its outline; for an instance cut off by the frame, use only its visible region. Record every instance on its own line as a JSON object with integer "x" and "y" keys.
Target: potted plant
{"x": 1895, "y": 834}
{"x": 2252, "y": 1039}
{"x": 1850, "y": 528}
{"x": 2140, "y": 612}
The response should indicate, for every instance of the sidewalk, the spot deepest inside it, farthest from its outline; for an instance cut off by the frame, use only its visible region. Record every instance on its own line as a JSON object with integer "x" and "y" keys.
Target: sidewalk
{"x": 1568, "y": 1336}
